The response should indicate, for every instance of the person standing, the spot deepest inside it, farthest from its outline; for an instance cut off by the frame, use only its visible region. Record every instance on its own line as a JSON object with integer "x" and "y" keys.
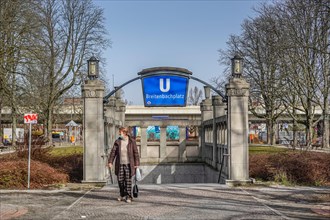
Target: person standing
{"x": 126, "y": 154}
{"x": 72, "y": 140}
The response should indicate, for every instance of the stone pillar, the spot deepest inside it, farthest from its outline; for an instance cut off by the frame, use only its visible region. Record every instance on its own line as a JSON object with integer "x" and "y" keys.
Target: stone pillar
{"x": 206, "y": 105}
{"x": 162, "y": 143}
{"x": 219, "y": 109}
{"x": 93, "y": 127}
{"x": 109, "y": 113}
{"x": 206, "y": 114}
{"x": 238, "y": 93}
{"x": 106, "y": 134}
{"x": 182, "y": 144}
{"x": 215, "y": 135}
{"x": 120, "y": 109}
{"x": 144, "y": 152}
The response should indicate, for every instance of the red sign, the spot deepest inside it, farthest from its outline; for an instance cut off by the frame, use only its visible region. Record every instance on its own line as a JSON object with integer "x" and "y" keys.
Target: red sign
{"x": 30, "y": 118}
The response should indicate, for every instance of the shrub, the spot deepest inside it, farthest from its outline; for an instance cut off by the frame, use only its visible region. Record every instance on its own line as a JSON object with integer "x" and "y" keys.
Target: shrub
{"x": 14, "y": 174}
{"x": 51, "y": 169}
{"x": 260, "y": 167}
{"x": 297, "y": 167}
{"x": 71, "y": 164}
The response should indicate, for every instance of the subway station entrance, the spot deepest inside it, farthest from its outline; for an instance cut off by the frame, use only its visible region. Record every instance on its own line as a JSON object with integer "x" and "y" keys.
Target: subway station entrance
{"x": 177, "y": 143}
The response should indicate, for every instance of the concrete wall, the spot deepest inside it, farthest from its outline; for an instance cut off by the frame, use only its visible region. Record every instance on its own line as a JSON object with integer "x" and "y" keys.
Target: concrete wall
{"x": 177, "y": 173}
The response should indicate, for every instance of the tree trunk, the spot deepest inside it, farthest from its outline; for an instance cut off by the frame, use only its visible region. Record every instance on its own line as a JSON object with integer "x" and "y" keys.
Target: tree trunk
{"x": 270, "y": 132}
{"x": 273, "y": 141}
{"x": 326, "y": 130}
{"x": 14, "y": 126}
{"x": 1, "y": 131}
{"x": 309, "y": 132}
{"x": 14, "y": 110}
{"x": 294, "y": 135}
{"x": 49, "y": 125}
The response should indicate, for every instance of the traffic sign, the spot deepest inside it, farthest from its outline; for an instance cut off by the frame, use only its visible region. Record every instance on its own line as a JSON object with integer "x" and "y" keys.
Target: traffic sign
{"x": 30, "y": 118}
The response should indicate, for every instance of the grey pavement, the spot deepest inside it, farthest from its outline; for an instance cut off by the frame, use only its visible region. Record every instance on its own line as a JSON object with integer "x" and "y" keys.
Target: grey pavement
{"x": 170, "y": 201}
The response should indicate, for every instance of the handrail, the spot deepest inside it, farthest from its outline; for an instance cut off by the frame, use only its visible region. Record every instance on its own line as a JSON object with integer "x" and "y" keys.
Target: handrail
{"x": 223, "y": 158}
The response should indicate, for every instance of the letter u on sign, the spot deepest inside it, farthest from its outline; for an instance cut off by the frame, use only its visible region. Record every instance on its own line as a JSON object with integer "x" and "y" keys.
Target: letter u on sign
{"x": 161, "y": 85}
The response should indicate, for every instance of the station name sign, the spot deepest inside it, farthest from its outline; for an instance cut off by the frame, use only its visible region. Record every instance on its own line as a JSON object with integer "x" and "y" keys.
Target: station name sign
{"x": 165, "y": 86}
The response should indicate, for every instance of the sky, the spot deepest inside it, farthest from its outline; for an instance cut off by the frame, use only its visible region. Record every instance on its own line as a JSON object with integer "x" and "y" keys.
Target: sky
{"x": 186, "y": 34}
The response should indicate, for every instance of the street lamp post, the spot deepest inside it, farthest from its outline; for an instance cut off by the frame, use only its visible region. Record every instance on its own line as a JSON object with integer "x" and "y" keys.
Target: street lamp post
{"x": 93, "y": 68}
{"x": 237, "y": 66}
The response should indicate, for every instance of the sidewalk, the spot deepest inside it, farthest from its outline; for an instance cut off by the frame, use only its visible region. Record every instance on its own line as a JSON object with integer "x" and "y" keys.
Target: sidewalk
{"x": 171, "y": 201}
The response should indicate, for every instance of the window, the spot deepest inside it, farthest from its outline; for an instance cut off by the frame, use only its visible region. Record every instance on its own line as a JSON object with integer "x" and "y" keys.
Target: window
{"x": 136, "y": 133}
{"x": 153, "y": 133}
{"x": 172, "y": 133}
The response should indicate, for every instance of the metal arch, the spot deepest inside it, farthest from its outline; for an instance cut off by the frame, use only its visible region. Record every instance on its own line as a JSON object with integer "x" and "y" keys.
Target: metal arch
{"x": 224, "y": 97}
{"x": 105, "y": 98}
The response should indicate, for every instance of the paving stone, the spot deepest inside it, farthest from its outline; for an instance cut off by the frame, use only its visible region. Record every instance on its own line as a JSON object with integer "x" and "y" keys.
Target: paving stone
{"x": 169, "y": 201}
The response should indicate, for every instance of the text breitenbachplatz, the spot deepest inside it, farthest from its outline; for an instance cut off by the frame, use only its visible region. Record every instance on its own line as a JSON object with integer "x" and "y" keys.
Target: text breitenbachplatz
{"x": 170, "y": 96}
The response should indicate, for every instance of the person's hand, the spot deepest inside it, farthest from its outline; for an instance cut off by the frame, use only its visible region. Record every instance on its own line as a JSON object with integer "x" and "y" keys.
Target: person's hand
{"x": 110, "y": 165}
{"x": 136, "y": 167}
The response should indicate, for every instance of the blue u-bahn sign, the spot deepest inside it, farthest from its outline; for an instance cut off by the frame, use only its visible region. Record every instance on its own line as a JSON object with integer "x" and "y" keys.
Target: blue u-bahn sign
{"x": 165, "y": 87}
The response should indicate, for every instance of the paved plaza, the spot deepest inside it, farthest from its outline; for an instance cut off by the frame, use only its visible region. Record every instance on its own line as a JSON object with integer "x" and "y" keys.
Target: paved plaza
{"x": 172, "y": 201}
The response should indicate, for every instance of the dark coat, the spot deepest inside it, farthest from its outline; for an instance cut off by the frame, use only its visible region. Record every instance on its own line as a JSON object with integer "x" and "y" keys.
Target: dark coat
{"x": 133, "y": 155}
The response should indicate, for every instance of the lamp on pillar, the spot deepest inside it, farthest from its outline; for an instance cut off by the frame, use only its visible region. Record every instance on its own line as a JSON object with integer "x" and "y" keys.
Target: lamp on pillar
{"x": 207, "y": 91}
{"x": 237, "y": 66}
{"x": 93, "y": 68}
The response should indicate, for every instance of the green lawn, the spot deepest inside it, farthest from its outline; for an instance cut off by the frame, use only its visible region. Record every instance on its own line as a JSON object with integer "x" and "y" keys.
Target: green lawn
{"x": 265, "y": 149}
{"x": 62, "y": 151}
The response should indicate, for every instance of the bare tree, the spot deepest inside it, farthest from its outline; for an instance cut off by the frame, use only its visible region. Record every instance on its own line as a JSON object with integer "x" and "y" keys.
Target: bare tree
{"x": 70, "y": 104}
{"x": 16, "y": 22}
{"x": 70, "y": 32}
{"x": 323, "y": 46}
{"x": 195, "y": 96}
{"x": 258, "y": 44}
{"x": 220, "y": 82}
{"x": 286, "y": 51}
{"x": 307, "y": 39}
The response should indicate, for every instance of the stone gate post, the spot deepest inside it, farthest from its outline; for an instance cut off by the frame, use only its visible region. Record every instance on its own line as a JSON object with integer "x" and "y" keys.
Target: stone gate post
{"x": 238, "y": 93}
{"x": 93, "y": 132}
